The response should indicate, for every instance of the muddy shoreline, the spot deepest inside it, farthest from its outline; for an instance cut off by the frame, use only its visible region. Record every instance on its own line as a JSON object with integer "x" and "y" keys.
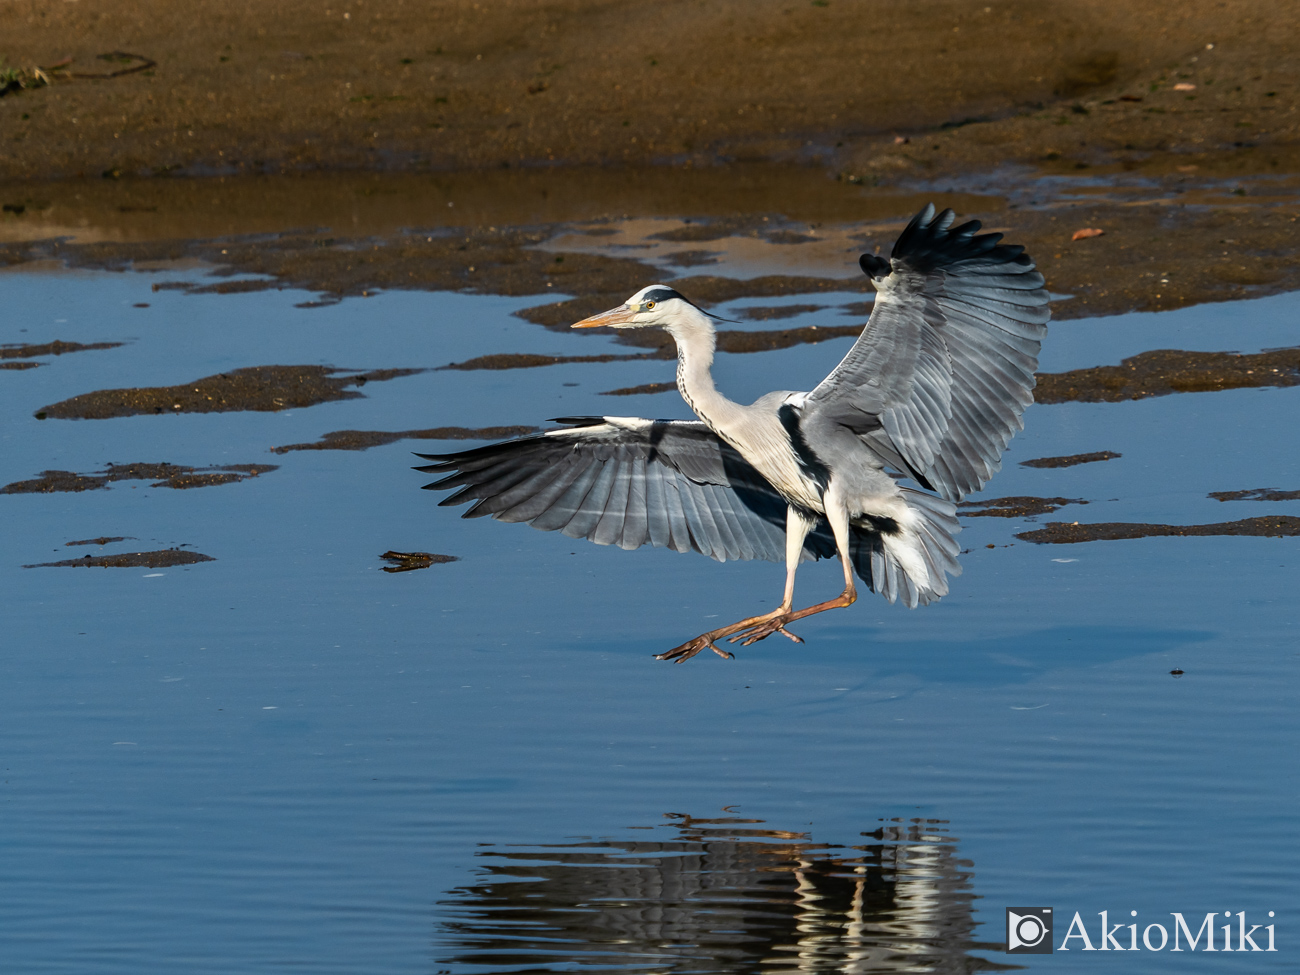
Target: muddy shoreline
{"x": 873, "y": 91}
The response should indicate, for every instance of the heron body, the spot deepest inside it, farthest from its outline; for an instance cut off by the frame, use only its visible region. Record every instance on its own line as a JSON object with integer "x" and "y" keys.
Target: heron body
{"x": 932, "y": 391}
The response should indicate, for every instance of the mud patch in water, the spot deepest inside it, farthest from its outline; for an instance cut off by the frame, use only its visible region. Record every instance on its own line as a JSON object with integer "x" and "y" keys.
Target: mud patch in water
{"x": 102, "y": 540}
{"x": 240, "y": 287}
{"x": 163, "y": 559}
{"x": 1165, "y": 371}
{"x": 761, "y": 313}
{"x": 20, "y": 365}
{"x": 410, "y": 561}
{"x": 643, "y": 390}
{"x": 57, "y": 347}
{"x": 1071, "y": 460}
{"x": 365, "y": 439}
{"x": 177, "y": 476}
{"x": 527, "y": 360}
{"x": 1255, "y": 494}
{"x": 1014, "y": 507}
{"x": 257, "y": 388}
{"x": 1061, "y": 533}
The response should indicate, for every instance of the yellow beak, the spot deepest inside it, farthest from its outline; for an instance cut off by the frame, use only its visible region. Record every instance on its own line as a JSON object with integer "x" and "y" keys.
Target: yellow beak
{"x": 615, "y": 316}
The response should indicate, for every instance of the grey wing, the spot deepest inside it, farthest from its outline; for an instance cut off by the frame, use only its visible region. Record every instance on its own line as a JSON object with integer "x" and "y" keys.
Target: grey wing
{"x": 941, "y": 374}
{"x": 628, "y": 482}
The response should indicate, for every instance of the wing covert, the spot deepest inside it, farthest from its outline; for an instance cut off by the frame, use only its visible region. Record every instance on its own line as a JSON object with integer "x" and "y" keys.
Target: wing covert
{"x": 628, "y": 482}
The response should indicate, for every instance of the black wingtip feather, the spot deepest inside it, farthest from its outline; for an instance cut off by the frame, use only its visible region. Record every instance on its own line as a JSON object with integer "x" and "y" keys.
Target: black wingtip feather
{"x": 930, "y": 242}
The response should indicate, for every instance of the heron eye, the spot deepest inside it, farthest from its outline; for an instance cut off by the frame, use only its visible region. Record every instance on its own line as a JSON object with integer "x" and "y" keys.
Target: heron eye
{"x": 649, "y": 306}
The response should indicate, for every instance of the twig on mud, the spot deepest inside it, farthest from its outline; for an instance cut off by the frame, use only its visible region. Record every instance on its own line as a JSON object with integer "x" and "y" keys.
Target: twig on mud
{"x": 14, "y": 80}
{"x": 119, "y": 56}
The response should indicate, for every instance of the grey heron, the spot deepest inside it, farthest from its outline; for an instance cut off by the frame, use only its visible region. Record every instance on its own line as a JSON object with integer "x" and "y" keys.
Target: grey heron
{"x": 931, "y": 391}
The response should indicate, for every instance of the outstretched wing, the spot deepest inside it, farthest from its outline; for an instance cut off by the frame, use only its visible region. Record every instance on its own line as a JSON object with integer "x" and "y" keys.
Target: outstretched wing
{"x": 945, "y": 366}
{"x": 626, "y": 481}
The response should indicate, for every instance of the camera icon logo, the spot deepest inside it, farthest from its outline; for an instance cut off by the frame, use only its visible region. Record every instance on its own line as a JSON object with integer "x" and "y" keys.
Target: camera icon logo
{"x": 1029, "y": 930}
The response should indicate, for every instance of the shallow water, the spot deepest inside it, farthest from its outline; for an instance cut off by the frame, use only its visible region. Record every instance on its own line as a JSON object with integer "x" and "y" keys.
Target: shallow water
{"x": 287, "y": 759}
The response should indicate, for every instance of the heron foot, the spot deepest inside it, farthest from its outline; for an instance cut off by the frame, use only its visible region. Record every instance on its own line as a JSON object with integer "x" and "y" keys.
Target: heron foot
{"x": 764, "y": 630}
{"x": 679, "y": 655}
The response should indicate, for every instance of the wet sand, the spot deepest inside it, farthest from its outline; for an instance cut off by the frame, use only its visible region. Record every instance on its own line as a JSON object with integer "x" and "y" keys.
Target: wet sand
{"x": 1060, "y": 533}
{"x": 162, "y": 559}
{"x": 1256, "y": 494}
{"x": 1014, "y": 507}
{"x": 458, "y": 84}
{"x": 1071, "y": 460}
{"x": 365, "y": 439}
{"x": 177, "y": 476}
{"x": 1166, "y": 371}
{"x": 31, "y": 351}
{"x": 1160, "y": 249}
{"x": 261, "y": 388}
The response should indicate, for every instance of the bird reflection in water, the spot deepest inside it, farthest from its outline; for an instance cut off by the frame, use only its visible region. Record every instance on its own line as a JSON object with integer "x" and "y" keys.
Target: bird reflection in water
{"x": 721, "y": 896}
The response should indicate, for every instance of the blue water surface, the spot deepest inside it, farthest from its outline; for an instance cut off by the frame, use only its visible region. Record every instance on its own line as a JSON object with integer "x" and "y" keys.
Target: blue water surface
{"x": 289, "y": 760}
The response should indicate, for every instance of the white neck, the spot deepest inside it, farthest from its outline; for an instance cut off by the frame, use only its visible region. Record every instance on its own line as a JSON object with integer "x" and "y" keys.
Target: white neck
{"x": 694, "y": 335}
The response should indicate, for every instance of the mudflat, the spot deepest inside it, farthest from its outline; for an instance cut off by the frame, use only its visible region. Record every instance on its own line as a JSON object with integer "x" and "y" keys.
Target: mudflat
{"x": 872, "y": 89}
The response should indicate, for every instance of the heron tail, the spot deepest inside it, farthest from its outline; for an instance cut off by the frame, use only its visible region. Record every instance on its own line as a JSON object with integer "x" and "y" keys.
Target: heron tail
{"x": 911, "y": 562}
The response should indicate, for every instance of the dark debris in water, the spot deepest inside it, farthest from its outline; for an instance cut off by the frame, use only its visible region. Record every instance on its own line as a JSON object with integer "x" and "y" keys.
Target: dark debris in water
{"x": 365, "y": 439}
{"x": 735, "y": 340}
{"x": 764, "y": 313}
{"x": 409, "y": 561}
{"x": 20, "y": 365}
{"x": 1061, "y": 533}
{"x": 1165, "y": 371}
{"x": 1256, "y": 494}
{"x": 1071, "y": 460}
{"x": 258, "y": 388}
{"x": 57, "y": 347}
{"x": 178, "y": 476}
{"x": 102, "y": 540}
{"x": 1014, "y": 507}
{"x": 239, "y": 287}
{"x": 166, "y": 558}
{"x": 642, "y": 390}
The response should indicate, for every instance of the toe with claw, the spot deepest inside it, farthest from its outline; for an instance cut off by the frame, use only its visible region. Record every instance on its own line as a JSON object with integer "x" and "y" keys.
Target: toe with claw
{"x": 762, "y": 631}
{"x": 690, "y": 648}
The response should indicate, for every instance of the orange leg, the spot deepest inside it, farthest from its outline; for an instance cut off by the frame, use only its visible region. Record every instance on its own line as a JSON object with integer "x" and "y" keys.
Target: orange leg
{"x": 837, "y": 515}
{"x": 797, "y": 528}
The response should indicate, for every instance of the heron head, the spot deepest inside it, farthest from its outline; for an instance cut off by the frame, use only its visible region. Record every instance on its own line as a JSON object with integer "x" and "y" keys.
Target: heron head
{"x": 657, "y": 304}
